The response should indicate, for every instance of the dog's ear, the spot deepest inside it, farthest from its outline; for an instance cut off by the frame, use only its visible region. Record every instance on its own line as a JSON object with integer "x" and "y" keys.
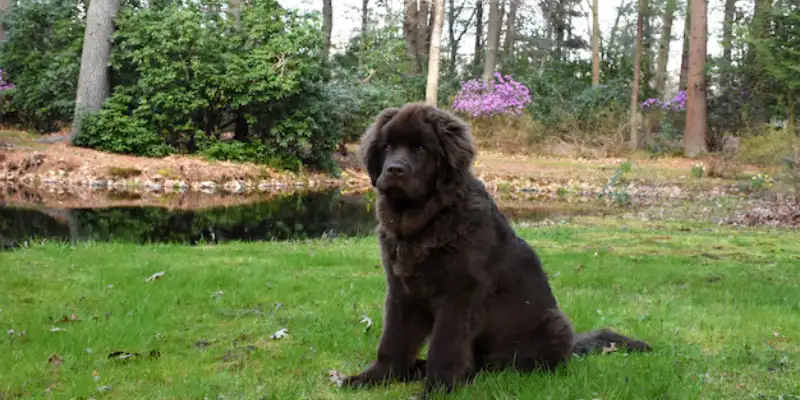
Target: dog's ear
{"x": 455, "y": 140}
{"x": 370, "y": 152}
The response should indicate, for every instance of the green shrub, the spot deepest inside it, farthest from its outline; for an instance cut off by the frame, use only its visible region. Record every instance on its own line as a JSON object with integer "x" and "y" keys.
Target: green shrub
{"x": 42, "y": 56}
{"x": 186, "y": 76}
{"x": 768, "y": 148}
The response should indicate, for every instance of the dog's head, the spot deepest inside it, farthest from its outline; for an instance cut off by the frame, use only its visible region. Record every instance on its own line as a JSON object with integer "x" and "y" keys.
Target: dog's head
{"x": 414, "y": 152}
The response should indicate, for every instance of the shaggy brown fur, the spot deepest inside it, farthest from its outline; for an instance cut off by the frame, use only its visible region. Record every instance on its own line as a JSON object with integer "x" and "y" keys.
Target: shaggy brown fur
{"x": 457, "y": 274}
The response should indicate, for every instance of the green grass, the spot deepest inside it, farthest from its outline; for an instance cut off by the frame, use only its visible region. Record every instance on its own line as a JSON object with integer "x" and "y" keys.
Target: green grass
{"x": 720, "y": 306}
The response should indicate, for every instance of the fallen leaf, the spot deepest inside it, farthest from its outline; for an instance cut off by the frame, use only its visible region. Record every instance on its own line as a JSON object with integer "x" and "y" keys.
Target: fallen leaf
{"x": 279, "y": 334}
{"x": 122, "y": 355}
{"x": 218, "y": 293}
{"x": 95, "y": 376}
{"x": 65, "y": 319}
{"x": 336, "y": 377}
{"x": 366, "y": 320}
{"x": 56, "y": 329}
{"x": 104, "y": 388}
{"x": 155, "y": 276}
{"x": 55, "y": 360}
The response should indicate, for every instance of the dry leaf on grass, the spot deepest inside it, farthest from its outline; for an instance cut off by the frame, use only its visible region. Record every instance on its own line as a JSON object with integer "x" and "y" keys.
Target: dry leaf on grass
{"x": 55, "y": 360}
{"x": 366, "y": 320}
{"x": 336, "y": 377}
{"x": 280, "y": 334}
{"x": 125, "y": 356}
{"x": 65, "y": 319}
{"x": 155, "y": 276}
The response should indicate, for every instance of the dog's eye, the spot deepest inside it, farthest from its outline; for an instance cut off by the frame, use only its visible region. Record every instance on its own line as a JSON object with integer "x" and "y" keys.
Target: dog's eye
{"x": 420, "y": 149}
{"x": 387, "y": 147}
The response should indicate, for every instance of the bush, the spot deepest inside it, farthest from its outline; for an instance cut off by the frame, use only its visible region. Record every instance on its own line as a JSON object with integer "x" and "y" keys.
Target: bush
{"x": 769, "y": 148}
{"x": 42, "y": 55}
{"x": 504, "y": 96}
{"x": 186, "y": 76}
{"x": 7, "y": 110}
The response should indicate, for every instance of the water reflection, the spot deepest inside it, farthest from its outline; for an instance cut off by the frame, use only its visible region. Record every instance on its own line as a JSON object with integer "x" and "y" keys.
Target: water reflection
{"x": 295, "y": 216}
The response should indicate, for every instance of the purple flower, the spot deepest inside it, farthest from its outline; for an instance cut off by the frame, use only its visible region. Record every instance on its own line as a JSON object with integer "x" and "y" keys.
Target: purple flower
{"x": 506, "y": 96}
{"x": 5, "y": 85}
{"x": 678, "y": 103}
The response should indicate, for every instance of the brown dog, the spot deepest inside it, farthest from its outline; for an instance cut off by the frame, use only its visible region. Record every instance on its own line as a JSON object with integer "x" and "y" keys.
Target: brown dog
{"x": 457, "y": 274}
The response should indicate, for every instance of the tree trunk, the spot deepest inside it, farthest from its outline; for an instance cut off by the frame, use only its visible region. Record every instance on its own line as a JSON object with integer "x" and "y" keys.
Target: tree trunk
{"x": 694, "y": 134}
{"x": 637, "y": 70}
{"x": 791, "y": 114}
{"x": 647, "y": 46}
{"x": 94, "y": 85}
{"x": 595, "y": 45}
{"x": 663, "y": 60}
{"x": 684, "y": 74}
{"x": 663, "y": 47}
{"x": 410, "y": 31}
{"x": 327, "y": 27}
{"x": 423, "y": 30}
{"x": 476, "y": 55}
{"x": 454, "y": 40}
{"x": 431, "y": 90}
{"x": 364, "y": 16}
{"x": 511, "y": 22}
{"x": 492, "y": 40}
{"x": 451, "y": 36}
{"x": 612, "y": 40}
{"x": 759, "y": 28}
{"x": 235, "y": 11}
{"x": 5, "y": 7}
{"x": 727, "y": 43}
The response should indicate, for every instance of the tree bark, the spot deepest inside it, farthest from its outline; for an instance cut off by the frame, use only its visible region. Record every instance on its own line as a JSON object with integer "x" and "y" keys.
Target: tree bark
{"x": 663, "y": 60}
{"x": 511, "y": 21}
{"x": 492, "y": 41}
{"x": 647, "y": 45}
{"x": 727, "y": 43}
{"x": 235, "y": 11}
{"x": 327, "y": 27}
{"x": 694, "y": 134}
{"x": 454, "y": 40}
{"x": 432, "y": 87}
{"x": 5, "y": 7}
{"x": 410, "y": 31}
{"x": 759, "y": 28}
{"x": 364, "y": 16}
{"x": 663, "y": 47}
{"x": 94, "y": 85}
{"x": 476, "y": 55}
{"x": 684, "y": 74}
{"x": 612, "y": 40}
{"x": 423, "y": 30}
{"x": 637, "y": 69}
{"x": 595, "y": 44}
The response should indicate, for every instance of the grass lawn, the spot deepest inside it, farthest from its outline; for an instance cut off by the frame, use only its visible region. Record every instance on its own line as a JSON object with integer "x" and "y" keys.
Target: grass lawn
{"x": 720, "y": 306}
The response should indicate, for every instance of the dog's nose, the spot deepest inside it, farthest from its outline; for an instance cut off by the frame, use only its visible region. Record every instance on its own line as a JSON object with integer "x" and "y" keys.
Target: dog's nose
{"x": 396, "y": 169}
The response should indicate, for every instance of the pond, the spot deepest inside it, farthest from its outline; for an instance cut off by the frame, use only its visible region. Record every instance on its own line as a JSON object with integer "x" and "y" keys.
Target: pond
{"x": 287, "y": 217}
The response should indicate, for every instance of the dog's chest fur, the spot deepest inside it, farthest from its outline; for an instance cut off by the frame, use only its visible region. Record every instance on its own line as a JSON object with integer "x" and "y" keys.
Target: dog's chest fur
{"x": 422, "y": 275}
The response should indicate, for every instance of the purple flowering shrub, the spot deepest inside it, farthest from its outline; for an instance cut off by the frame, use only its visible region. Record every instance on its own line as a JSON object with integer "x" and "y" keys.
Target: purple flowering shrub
{"x": 4, "y": 84}
{"x": 505, "y": 97}
{"x": 6, "y": 87}
{"x": 677, "y": 103}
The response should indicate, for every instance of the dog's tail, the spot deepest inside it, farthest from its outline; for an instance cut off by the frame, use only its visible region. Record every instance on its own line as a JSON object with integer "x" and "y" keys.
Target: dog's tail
{"x": 607, "y": 341}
